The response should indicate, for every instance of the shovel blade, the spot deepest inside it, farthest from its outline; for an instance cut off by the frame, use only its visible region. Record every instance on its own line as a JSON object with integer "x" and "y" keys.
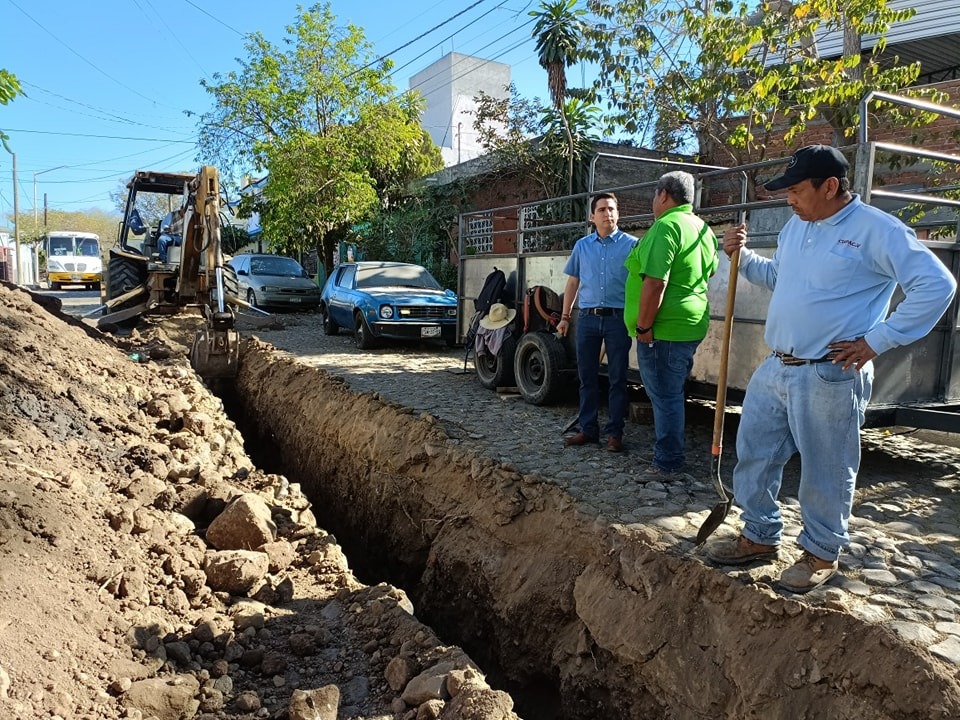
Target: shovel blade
{"x": 714, "y": 520}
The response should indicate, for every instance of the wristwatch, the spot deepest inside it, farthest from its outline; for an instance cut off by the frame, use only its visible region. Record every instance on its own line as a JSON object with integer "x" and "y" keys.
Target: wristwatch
{"x": 643, "y": 331}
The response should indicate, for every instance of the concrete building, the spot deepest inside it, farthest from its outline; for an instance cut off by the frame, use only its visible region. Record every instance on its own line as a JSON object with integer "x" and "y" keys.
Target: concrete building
{"x": 449, "y": 86}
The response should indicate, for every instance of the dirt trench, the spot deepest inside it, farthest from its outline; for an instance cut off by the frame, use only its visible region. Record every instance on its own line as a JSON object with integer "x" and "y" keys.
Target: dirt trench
{"x": 589, "y": 616}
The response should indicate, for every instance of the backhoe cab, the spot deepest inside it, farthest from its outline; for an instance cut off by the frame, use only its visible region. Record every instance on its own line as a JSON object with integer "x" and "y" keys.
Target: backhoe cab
{"x": 176, "y": 263}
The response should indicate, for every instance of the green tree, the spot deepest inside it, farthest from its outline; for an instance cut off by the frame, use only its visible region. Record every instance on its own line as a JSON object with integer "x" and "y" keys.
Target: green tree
{"x": 559, "y": 32}
{"x": 9, "y": 89}
{"x": 321, "y": 117}
{"x": 718, "y": 79}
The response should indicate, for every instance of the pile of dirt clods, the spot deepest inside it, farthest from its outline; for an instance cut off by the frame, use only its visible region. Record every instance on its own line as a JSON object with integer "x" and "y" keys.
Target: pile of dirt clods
{"x": 149, "y": 571}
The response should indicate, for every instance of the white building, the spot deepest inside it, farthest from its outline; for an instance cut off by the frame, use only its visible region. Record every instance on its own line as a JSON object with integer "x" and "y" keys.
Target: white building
{"x": 449, "y": 86}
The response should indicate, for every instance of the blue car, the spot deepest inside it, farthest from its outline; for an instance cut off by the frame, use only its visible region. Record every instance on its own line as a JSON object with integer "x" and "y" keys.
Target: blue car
{"x": 388, "y": 300}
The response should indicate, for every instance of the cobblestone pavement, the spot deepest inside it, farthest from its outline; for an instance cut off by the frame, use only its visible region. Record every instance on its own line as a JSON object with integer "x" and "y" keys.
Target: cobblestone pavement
{"x": 901, "y": 570}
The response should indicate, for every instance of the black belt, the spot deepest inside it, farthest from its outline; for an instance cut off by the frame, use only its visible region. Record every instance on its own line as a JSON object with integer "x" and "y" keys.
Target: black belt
{"x": 787, "y": 359}
{"x": 603, "y": 311}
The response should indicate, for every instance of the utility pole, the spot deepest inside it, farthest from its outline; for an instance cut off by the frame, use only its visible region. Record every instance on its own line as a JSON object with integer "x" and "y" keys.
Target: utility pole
{"x": 16, "y": 223}
{"x": 36, "y": 229}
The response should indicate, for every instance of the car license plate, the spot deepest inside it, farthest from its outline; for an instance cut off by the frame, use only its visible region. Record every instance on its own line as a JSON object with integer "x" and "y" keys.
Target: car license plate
{"x": 75, "y": 277}
{"x": 430, "y": 331}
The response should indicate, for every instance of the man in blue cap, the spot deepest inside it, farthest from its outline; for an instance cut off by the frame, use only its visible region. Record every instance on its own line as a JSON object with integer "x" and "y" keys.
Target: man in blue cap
{"x": 832, "y": 276}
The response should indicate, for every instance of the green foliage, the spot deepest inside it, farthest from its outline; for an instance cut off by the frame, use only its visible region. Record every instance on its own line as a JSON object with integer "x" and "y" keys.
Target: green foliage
{"x": 719, "y": 78}
{"x": 419, "y": 230}
{"x": 506, "y": 128}
{"x": 103, "y": 224}
{"x": 9, "y": 89}
{"x": 321, "y": 117}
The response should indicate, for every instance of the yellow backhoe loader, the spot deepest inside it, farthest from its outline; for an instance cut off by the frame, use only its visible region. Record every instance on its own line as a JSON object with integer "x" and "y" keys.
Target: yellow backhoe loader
{"x": 175, "y": 265}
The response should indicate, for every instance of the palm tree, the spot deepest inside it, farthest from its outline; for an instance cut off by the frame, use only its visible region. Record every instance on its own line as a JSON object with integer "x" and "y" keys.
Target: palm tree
{"x": 558, "y": 31}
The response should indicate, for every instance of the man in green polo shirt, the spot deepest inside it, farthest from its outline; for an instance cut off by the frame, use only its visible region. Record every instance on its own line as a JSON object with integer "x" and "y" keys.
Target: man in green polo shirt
{"x": 667, "y": 310}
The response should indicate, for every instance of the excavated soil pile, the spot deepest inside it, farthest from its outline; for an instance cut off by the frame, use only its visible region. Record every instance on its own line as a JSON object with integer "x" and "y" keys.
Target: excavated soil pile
{"x": 149, "y": 571}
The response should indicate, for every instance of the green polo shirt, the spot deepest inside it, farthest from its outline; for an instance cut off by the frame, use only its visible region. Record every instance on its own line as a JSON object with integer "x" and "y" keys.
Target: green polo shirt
{"x": 680, "y": 249}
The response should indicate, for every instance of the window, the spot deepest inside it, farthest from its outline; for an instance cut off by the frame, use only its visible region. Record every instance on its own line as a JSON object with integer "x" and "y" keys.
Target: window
{"x": 530, "y": 240}
{"x": 480, "y": 234}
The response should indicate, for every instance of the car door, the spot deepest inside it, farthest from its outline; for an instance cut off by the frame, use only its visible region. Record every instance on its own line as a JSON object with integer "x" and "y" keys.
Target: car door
{"x": 242, "y": 263}
{"x": 340, "y": 300}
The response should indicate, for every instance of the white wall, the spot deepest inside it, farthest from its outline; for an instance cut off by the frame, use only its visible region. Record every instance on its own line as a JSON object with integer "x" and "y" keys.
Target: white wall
{"x": 449, "y": 86}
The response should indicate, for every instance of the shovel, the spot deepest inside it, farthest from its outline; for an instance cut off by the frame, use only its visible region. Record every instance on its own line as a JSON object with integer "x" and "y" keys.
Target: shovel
{"x": 719, "y": 513}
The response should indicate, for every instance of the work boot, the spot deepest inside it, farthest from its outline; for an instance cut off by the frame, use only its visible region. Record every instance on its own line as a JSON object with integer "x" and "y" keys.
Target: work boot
{"x": 807, "y": 573}
{"x": 740, "y": 551}
{"x": 580, "y": 439}
{"x": 614, "y": 444}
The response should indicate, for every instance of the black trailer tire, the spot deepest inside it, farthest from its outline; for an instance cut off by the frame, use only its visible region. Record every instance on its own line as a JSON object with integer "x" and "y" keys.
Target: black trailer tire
{"x": 330, "y": 326}
{"x": 537, "y": 367}
{"x": 361, "y": 333}
{"x": 494, "y": 372}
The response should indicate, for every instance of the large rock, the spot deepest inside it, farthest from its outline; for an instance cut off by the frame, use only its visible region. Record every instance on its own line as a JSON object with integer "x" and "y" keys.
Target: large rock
{"x": 318, "y": 704}
{"x": 164, "y": 698}
{"x": 245, "y": 524}
{"x": 235, "y": 571}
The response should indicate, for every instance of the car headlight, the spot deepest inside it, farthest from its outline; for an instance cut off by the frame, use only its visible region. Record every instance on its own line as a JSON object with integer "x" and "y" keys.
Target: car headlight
{"x": 451, "y": 312}
{"x": 54, "y": 265}
{"x": 386, "y": 312}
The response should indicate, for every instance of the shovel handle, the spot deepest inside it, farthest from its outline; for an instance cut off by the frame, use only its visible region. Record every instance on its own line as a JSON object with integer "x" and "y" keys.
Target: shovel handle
{"x": 725, "y": 355}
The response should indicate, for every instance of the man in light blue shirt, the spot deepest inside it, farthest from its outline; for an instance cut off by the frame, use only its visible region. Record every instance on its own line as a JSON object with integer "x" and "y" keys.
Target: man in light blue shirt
{"x": 833, "y": 275}
{"x": 596, "y": 280}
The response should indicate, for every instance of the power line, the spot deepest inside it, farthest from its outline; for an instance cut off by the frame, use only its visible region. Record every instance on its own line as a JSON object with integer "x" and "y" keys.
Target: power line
{"x": 418, "y": 37}
{"x": 102, "y": 72}
{"x": 101, "y": 137}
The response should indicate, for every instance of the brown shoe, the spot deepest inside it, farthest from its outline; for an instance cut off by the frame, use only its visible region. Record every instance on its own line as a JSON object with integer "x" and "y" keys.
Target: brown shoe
{"x": 807, "y": 573}
{"x": 740, "y": 551}
{"x": 580, "y": 439}
{"x": 614, "y": 444}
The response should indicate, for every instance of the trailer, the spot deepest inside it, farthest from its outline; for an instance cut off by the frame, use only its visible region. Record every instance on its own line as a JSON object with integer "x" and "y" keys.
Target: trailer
{"x": 917, "y": 385}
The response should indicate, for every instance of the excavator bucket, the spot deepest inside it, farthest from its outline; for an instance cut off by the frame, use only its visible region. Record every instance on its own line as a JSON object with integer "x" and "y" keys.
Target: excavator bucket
{"x": 216, "y": 348}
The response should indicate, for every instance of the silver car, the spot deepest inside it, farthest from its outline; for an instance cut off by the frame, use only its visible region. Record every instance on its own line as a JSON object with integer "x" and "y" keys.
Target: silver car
{"x": 274, "y": 281}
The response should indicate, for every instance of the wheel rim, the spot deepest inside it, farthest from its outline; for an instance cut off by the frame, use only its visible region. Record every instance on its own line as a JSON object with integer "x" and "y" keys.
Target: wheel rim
{"x": 534, "y": 369}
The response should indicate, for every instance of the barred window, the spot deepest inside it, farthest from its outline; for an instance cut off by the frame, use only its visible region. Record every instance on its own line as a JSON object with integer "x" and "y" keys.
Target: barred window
{"x": 480, "y": 234}
{"x": 531, "y": 240}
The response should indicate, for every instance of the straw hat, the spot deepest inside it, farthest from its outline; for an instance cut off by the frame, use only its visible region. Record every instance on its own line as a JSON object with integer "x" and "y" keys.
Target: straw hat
{"x": 499, "y": 316}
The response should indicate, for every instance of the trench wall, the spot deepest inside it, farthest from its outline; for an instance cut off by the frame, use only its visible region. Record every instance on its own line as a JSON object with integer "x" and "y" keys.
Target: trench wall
{"x": 505, "y": 565}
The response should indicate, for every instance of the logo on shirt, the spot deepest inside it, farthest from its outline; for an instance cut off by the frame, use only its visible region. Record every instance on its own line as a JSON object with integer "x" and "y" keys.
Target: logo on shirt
{"x": 849, "y": 243}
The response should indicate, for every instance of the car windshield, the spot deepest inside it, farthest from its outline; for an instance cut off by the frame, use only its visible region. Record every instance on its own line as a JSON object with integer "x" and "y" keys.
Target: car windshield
{"x": 412, "y": 276}
{"x": 275, "y": 266}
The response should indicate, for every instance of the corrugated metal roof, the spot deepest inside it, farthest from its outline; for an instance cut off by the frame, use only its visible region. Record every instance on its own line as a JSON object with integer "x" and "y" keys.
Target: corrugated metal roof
{"x": 933, "y": 18}
{"x": 931, "y": 36}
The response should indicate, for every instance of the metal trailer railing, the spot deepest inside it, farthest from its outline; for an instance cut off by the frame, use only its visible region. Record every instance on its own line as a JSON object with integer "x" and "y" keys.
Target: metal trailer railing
{"x": 916, "y": 385}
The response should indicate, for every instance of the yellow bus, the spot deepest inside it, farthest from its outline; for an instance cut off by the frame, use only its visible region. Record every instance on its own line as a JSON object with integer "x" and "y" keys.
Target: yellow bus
{"x": 72, "y": 258}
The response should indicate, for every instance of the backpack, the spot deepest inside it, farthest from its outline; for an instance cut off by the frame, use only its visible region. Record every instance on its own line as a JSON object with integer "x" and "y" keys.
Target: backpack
{"x": 491, "y": 292}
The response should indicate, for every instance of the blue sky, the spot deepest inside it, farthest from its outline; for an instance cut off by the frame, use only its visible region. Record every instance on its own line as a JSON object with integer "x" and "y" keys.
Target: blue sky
{"x": 108, "y": 82}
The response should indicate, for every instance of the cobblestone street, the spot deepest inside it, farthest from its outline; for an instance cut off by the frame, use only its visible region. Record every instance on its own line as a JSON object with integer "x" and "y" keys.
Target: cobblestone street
{"x": 901, "y": 571}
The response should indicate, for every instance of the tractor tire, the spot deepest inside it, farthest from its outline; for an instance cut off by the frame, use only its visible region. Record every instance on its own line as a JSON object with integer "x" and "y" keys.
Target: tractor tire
{"x": 124, "y": 274}
{"x": 538, "y": 367}
{"x": 494, "y": 372}
{"x": 231, "y": 285}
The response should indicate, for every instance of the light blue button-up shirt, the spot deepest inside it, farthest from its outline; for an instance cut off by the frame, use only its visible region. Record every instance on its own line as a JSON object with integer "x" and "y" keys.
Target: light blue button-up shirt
{"x": 598, "y": 263}
{"x": 833, "y": 279}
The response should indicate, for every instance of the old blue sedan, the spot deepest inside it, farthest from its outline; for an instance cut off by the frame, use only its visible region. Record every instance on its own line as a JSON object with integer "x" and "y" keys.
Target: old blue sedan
{"x": 388, "y": 300}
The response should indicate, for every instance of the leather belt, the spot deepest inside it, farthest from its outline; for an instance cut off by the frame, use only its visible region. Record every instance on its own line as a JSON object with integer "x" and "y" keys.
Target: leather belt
{"x": 787, "y": 359}
{"x": 602, "y": 311}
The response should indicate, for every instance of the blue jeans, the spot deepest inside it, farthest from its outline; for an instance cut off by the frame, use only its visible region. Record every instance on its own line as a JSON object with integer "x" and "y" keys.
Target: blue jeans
{"x": 816, "y": 410}
{"x": 166, "y": 241}
{"x": 664, "y": 367}
{"x": 610, "y": 332}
